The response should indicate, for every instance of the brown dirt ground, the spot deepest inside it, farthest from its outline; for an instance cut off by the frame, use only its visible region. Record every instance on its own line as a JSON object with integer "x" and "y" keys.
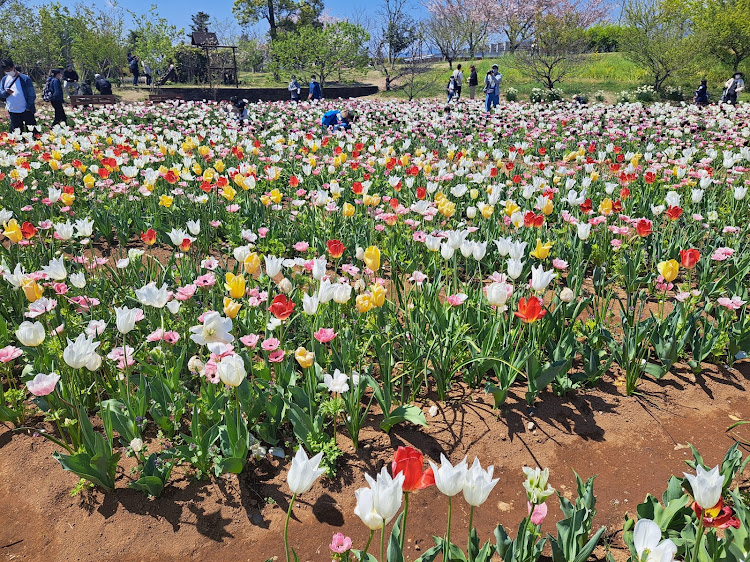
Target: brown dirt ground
{"x": 632, "y": 444}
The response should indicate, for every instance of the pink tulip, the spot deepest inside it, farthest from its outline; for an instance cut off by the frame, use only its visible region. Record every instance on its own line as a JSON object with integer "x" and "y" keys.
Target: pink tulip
{"x": 340, "y": 543}
{"x": 324, "y": 335}
{"x": 538, "y": 514}
{"x": 42, "y": 385}
{"x": 457, "y": 299}
{"x": 9, "y": 353}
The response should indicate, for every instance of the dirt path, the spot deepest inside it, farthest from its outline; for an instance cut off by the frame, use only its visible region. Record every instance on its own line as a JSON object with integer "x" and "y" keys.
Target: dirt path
{"x": 632, "y": 444}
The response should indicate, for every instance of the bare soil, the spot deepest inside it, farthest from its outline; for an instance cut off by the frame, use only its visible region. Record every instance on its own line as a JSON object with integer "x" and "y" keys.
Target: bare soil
{"x": 632, "y": 444}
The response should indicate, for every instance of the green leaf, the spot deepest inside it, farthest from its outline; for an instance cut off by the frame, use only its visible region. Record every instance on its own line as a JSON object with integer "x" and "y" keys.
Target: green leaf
{"x": 394, "y": 543}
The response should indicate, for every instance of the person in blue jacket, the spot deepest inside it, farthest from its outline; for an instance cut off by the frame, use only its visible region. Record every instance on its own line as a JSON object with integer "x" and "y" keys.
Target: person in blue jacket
{"x": 337, "y": 120}
{"x": 57, "y": 97}
{"x": 315, "y": 91}
{"x": 17, "y": 91}
{"x": 701, "y": 94}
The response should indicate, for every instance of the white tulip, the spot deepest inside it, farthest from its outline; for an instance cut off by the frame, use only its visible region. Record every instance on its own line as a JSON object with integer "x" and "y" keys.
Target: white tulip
{"x": 648, "y": 544}
{"x": 449, "y": 479}
{"x": 478, "y": 484}
{"x": 304, "y": 472}
{"x": 30, "y": 334}
{"x": 706, "y": 485}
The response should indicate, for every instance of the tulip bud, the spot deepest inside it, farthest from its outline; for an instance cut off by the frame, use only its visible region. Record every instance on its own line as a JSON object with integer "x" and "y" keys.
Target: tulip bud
{"x": 285, "y": 286}
{"x": 567, "y": 295}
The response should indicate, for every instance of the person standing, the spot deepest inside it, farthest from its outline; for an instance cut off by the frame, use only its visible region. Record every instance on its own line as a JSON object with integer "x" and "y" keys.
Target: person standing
{"x": 133, "y": 66}
{"x": 458, "y": 80}
{"x": 451, "y": 88}
{"x": 489, "y": 91}
{"x": 56, "y": 97}
{"x": 17, "y": 90}
{"x": 473, "y": 81}
{"x": 147, "y": 72}
{"x": 294, "y": 88}
{"x": 70, "y": 77}
{"x": 315, "y": 92}
{"x": 732, "y": 87}
{"x": 498, "y": 81}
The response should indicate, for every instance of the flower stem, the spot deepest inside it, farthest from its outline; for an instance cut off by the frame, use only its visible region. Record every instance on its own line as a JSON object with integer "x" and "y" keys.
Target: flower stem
{"x": 403, "y": 520}
{"x": 286, "y": 527}
{"x": 363, "y": 556}
{"x": 447, "y": 543}
{"x": 698, "y": 539}
{"x": 382, "y": 542}
{"x": 471, "y": 526}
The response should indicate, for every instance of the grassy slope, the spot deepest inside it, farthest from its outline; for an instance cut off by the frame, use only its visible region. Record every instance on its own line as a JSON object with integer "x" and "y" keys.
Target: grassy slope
{"x": 609, "y": 72}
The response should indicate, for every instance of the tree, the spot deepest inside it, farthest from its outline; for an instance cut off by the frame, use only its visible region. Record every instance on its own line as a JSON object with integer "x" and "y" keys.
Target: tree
{"x": 396, "y": 32}
{"x": 321, "y": 51}
{"x": 416, "y": 67}
{"x": 445, "y": 33}
{"x": 723, "y": 29}
{"x": 657, "y": 37}
{"x": 470, "y": 20}
{"x": 559, "y": 42}
{"x": 154, "y": 38}
{"x": 97, "y": 48}
{"x": 199, "y": 21}
{"x": 281, "y": 15}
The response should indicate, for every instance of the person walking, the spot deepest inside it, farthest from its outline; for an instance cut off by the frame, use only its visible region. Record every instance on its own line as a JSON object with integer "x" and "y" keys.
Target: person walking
{"x": 17, "y": 90}
{"x": 732, "y": 87}
{"x": 103, "y": 85}
{"x": 701, "y": 94}
{"x": 458, "y": 79}
{"x": 147, "y": 72}
{"x": 70, "y": 77}
{"x": 56, "y": 97}
{"x": 473, "y": 81}
{"x": 294, "y": 88}
{"x": 315, "y": 92}
{"x": 133, "y": 66}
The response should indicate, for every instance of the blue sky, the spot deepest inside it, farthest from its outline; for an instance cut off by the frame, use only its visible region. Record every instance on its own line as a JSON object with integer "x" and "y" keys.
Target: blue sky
{"x": 179, "y": 11}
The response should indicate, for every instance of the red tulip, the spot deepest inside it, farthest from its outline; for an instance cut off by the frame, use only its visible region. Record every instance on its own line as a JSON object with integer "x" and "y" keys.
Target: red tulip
{"x": 185, "y": 244}
{"x": 689, "y": 258}
{"x": 28, "y": 230}
{"x": 720, "y": 516}
{"x": 530, "y": 310}
{"x": 586, "y": 206}
{"x": 673, "y": 213}
{"x": 281, "y": 307}
{"x": 171, "y": 177}
{"x": 335, "y": 248}
{"x": 409, "y": 461}
{"x": 149, "y": 237}
{"x": 421, "y": 193}
{"x": 643, "y": 227}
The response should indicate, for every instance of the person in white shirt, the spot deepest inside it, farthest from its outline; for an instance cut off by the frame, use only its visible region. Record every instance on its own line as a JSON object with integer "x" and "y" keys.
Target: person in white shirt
{"x": 17, "y": 90}
{"x": 732, "y": 87}
{"x": 458, "y": 79}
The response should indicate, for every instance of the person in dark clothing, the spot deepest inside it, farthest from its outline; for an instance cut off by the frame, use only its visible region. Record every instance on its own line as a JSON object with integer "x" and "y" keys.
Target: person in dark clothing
{"x": 147, "y": 73}
{"x": 337, "y": 120}
{"x": 473, "y": 81}
{"x": 85, "y": 89}
{"x": 701, "y": 94}
{"x": 17, "y": 90}
{"x": 315, "y": 91}
{"x": 70, "y": 77}
{"x": 103, "y": 85}
{"x": 57, "y": 98}
{"x": 133, "y": 65}
{"x": 732, "y": 87}
{"x": 294, "y": 88}
{"x": 238, "y": 109}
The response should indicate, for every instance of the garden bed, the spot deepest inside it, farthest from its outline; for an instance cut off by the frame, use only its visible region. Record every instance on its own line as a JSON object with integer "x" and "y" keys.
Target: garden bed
{"x": 631, "y": 444}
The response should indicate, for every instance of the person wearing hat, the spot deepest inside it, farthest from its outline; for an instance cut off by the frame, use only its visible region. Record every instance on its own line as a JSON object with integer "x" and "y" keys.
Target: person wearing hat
{"x": 103, "y": 85}
{"x": 732, "y": 87}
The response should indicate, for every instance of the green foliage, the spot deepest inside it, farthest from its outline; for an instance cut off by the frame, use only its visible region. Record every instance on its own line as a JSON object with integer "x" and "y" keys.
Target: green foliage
{"x": 334, "y": 48}
{"x": 604, "y": 37}
{"x": 154, "y": 476}
{"x": 723, "y": 30}
{"x": 154, "y": 38}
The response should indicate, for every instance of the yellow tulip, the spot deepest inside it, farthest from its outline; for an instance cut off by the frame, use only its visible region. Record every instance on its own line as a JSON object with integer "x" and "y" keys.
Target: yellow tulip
{"x": 548, "y": 207}
{"x": 364, "y": 304}
{"x": 203, "y": 150}
{"x": 197, "y": 170}
{"x": 54, "y": 164}
{"x": 347, "y": 210}
{"x": 275, "y": 196}
{"x": 487, "y": 211}
{"x": 13, "y": 231}
{"x": 668, "y": 270}
{"x": 231, "y": 307}
{"x": 372, "y": 258}
{"x": 304, "y": 358}
{"x": 265, "y": 199}
{"x": 377, "y": 295}
{"x": 67, "y": 198}
{"x": 605, "y": 207}
{"x": 235, "y": 285}
{"x": 251, "y": 263}
{"x": 594, "y": 175}
{"x": 510, "y": 208}
{"x": 219, "y": 166}
{"x": 474, "y": 193}
{"x": 88, "y": 181}
{"x": 32, "y": 289}
{"x": 165, "y": 201}
{"x": 228, "y": 192}
{"x": 542, "y": 250}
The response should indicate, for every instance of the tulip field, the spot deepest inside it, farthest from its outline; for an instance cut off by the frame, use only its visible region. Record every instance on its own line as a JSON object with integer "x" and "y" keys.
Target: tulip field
{"x": 184, "y": 295}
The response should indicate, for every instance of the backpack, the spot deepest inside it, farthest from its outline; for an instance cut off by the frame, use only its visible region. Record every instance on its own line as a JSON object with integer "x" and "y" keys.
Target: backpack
{"x": 47, "y": 92}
